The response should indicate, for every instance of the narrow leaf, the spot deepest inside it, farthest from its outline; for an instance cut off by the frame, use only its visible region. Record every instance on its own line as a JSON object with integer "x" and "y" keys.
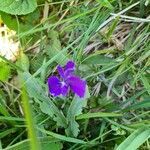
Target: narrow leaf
{"x": 46, "y": 144}
{"x": 97, "y": 115}
{"x": 135, "y": 140}
{"x": 62, "y": 137}
{"x": 34, "y": 144}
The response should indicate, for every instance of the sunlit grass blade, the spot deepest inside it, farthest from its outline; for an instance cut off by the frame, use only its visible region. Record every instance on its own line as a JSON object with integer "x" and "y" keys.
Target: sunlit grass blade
{"x": 46, "y": 142}
{"x": 135, "y": 140}
{"x": 62, "y": 137}
{"x": 97, "y": 115}
{"x": 34, "y": 143}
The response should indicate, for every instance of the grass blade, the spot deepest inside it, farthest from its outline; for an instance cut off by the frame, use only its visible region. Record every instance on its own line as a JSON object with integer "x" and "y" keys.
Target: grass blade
{"x": 34, "y": 144}
{"x": 46, "y": 142}
{"x": 63, "y": 138}
{"x": 135, "y": 140}
{"x": 97, "y": 115}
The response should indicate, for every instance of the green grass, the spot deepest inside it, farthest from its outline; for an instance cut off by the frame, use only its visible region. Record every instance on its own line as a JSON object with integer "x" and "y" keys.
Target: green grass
{"x": 110, "y": 43}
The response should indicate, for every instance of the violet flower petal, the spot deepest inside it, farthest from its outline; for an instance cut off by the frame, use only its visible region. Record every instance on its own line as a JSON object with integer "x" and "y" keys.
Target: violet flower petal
{"x": 54, "y": 85}
{"x": 77, "y": 85}
{"x": 61, "y": 71}
{"x": 70, "y": 65}
{"x": 69, "y": 68}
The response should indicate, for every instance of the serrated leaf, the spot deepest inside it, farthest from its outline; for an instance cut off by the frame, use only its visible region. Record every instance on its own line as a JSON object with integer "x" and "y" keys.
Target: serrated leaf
{"x": 45, "y": 109}
{"x": 36, "y": 91}
{"x": 135, "y": 140}
{"x": 74, "y": 110}
{"x": 18, "y": 7}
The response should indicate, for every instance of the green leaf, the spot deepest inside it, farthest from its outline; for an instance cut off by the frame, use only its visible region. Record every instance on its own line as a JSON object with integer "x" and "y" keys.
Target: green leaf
{"x": 46, "y": 144}
{"x": 23, "y": 61}
{"x": 74, "y": 110}
{"x": 146, "y": 82}
{"x": 143, "y": 104}
{"x": 7, "y": 132}
{"x": 105, "y": 3}
{"x": 36, "y": 91}
{"x": 18, "y": 7}
{"x": 135, "y": 140}
{"x": 4, "y": 71}
{"x": 9, "y": 20}
{"x": 147, "y": 2}
{"x": 97, "y": 59}
{"x": 10, "y": 63}
{"x": 23, "y": 23}
{"x": 3, "y": 110}
{"x": 62, "y": 137}
{"x": 5, "y": 119}
{"x": 112, "y": 28}
{"x": 97, "y": 114}
{"x": 28, "y": 113}
{"x": 54, "y": 47}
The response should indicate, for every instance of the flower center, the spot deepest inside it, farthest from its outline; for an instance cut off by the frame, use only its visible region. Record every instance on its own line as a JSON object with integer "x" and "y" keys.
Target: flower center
{"x": 63, "y": 84}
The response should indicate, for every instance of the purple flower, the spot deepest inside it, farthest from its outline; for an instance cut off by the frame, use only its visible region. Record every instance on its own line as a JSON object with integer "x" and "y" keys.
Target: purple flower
{"x": 67, "y": 81}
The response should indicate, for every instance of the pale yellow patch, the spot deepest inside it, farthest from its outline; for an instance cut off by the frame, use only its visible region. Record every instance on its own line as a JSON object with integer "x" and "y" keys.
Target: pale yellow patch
{"x": 9, "y": 48}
